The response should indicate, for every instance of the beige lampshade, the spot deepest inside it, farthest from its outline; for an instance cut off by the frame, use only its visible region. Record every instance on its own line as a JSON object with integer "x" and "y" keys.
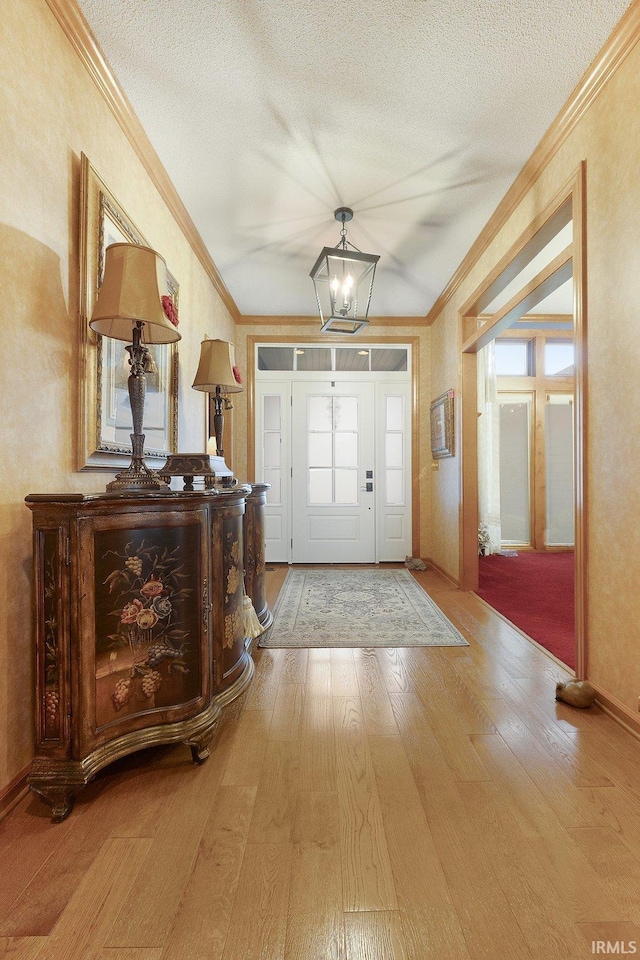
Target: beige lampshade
{"x": 135, "y": 280}
{"x": 216, "y": 368}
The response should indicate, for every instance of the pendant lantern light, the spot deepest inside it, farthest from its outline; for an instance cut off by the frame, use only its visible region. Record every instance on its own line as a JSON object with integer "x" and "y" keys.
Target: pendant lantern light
{"x": 343, "y": 281}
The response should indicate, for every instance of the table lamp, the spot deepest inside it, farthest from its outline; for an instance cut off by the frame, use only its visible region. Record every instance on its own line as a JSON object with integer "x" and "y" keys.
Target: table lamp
{"x": 218, "y": 375}
{"x": 134, "y": 305}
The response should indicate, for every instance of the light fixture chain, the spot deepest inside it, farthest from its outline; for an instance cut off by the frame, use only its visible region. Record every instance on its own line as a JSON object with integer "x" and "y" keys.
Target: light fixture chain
{"x": 343, "y": 232}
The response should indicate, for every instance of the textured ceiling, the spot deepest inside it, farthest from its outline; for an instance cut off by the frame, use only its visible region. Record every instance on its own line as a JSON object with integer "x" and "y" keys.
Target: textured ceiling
{"x": 269, "y": 114}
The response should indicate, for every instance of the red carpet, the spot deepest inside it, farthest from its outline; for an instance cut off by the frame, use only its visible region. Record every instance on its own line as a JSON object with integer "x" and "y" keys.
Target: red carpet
{"x": 535, "y": 592}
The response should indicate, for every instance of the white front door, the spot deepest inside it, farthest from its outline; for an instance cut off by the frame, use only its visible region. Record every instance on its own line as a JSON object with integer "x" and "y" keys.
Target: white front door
{"x": 333, "y": 461}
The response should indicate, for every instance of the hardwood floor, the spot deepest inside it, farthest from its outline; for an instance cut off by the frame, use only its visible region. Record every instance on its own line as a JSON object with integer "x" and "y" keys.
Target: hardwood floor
{"x": 388, "y": 804}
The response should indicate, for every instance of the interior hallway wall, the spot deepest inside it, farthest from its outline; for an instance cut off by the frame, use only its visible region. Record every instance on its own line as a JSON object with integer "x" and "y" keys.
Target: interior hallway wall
{"x": 607, "y": 137}
{"x": 52, "y": 112}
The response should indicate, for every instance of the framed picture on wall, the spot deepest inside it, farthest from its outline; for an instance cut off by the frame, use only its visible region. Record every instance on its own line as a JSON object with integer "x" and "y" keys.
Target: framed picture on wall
{"x": 105, "y": 422}
{"x": 443, "y": 426}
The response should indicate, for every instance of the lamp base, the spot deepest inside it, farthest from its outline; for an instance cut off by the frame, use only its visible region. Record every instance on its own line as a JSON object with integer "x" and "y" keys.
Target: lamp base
{"x": 137, "y": 476}
{"x": 223, "y": 474}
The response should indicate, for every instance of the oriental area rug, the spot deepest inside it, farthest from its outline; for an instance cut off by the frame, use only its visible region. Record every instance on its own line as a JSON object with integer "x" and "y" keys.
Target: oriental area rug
{"x": 357, "y": 608}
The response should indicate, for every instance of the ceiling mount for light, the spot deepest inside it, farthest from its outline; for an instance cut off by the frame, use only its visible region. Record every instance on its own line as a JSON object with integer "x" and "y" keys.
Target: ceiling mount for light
{"x": 343, "y": 281}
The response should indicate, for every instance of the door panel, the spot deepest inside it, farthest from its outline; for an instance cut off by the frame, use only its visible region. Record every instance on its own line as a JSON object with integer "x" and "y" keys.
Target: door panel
{"x": 273, "y": 409}
{"x": 330, "y": 517}
{"x": 333, "y": 448}
{"x": 393, "y": 488}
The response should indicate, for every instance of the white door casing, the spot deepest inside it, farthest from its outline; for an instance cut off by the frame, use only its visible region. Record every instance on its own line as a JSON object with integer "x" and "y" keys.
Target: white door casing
{"x": 374, "y": 525}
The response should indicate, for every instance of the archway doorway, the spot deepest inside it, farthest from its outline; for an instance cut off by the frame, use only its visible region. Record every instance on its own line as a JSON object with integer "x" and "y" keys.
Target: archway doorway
{"x": 480, "y": 328}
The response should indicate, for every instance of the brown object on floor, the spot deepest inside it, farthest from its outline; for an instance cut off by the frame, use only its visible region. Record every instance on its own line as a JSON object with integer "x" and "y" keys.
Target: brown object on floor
{"x": 577, "y": 693}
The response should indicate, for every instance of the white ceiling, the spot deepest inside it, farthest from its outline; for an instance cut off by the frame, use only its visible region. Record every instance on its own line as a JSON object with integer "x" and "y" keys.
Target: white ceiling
{"x": 269, "y": 114}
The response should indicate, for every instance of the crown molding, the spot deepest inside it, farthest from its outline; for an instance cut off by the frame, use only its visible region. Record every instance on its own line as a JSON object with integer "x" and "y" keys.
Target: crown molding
{"x": 616, "y": 49}
{"x": 299, "y": 321}
{"x": 79, "y": 34}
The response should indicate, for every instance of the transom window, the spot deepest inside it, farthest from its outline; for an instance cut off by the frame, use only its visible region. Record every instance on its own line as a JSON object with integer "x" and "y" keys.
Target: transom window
{"x": 513, "y": 358}
{"x": 319, "y": 358}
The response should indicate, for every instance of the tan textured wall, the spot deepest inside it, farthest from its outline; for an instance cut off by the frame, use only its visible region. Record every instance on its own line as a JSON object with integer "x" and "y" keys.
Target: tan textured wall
{"x": 51, "y": 112}
{"x": 608, "y": 139}
{"x": 293, "y": 332}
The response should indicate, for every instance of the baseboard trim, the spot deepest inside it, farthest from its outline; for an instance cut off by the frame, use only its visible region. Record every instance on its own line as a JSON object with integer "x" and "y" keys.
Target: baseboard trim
{"x": 14, "y": 791}
{"x": 617, "y": 711}
{"x": 442, "y": 573}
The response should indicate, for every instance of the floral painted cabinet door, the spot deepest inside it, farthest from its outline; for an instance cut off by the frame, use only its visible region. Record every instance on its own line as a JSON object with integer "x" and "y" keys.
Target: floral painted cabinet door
{"x": 133, "y": 596}
{"x": 144, "y": 621}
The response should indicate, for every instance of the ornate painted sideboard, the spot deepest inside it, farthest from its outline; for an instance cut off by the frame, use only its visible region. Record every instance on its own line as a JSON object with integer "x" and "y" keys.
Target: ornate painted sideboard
{"x": 139, "y": 627}
{"x": 254, "y": 563}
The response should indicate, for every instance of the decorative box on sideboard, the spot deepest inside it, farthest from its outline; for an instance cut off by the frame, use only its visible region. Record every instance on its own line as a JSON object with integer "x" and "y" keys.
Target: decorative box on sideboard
{"x": 139, "y": 627}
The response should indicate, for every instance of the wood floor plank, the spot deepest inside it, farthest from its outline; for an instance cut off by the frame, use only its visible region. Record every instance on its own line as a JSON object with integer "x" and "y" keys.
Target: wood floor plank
{"x": 286, "y": 720}
{"x": 130, "y": 953}
{"x": 569, "y": 803}
{"x": 621, "y": 812}
{"x": 27, "y": 841}
{"x": 277, "y": 798}
{"x": 473, "y": 886}
{"x": 522, "y": 877}
{"x": 475, "y": 680}
{"x": 106, "y": 811}
{"x": 318, "y": 676}
{"x": 162, "y": 769}
{"x": 275, "y": 576}
{"x": 318, "y": 764}
{"x": 81, "y": 932}
{"x": 244, "y": 765}
{"x": 202, "y": 921}
{"x": 616, "y": 751}
{"x": 430, "y": 924}
{"x": 145, "y": 919}
{"x": 344, "y": 681}
{"x": 420, "y": 742}
{"x": 581, "y": 892}
{"x": 266, "y": 680}
{"x": 296, "y": 663}
{"x": 259, "y": 915}
{"x": 548, "y": 722}
{"x": 451, "y": 733}
{"x": 21, "y": 948}
{"x": 469, "y": 844}
{"x": 532, "y": 811}
{"x": 445, "y": 695}
{"x": 378, "y": 714}
{"x": 617, "y": 869}
{"x": 392, "y": 663}
{"x": 367, "y": 877}
{"x": 376, "y": 935}
{"x": 315, "y": 917}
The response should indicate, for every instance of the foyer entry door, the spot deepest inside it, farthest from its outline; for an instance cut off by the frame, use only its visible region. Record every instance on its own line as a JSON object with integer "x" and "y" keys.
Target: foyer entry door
{"x": 333, "y": 462}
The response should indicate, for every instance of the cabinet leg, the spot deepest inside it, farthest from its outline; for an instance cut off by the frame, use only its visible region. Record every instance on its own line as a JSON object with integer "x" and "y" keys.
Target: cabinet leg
{"x": 60, "y": 800}
{"x": 199, "y": 753}
{"x": 200, "y": 745}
